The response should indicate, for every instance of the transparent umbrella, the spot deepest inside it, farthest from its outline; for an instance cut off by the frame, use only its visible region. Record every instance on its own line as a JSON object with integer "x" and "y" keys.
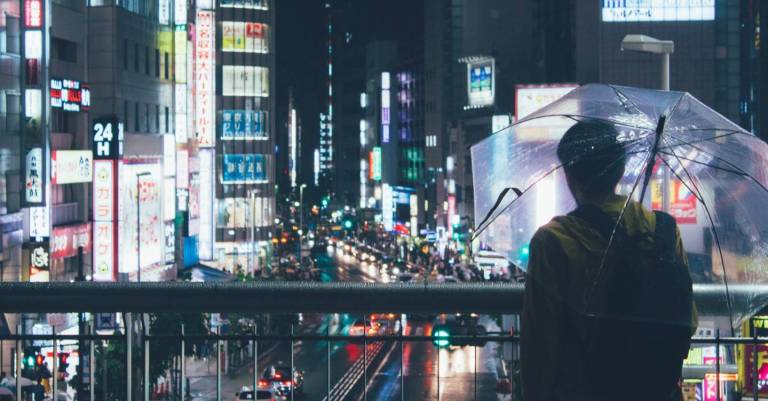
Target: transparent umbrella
{"x": 682, "y": 157}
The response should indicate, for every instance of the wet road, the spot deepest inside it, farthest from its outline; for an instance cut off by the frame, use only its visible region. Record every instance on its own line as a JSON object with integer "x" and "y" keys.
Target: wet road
{"x": 335, "y": 372}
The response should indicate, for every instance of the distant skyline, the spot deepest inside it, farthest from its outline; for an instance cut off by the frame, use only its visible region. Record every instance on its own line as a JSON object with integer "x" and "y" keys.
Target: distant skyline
{"x": 301, "y": 58}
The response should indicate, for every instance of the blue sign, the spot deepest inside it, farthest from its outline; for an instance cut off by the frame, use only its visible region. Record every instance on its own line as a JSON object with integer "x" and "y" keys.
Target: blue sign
{"x": 227, "y": 125}
{"x": 243, "y": 169}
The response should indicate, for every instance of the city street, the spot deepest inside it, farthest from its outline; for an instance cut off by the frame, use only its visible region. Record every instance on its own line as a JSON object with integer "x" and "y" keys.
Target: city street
{"x": 445, "y": 374}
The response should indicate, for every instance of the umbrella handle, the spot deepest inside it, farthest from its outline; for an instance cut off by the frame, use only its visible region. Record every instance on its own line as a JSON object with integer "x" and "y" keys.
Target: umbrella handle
{"x": 496, "y": 205}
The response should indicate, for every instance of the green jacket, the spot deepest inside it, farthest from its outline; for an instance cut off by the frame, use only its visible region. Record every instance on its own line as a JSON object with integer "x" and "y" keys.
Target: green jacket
{"x": 547, "y": 340}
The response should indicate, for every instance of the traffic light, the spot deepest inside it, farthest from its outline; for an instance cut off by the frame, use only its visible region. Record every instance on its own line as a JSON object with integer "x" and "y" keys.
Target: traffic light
{"x": 326, "y": 200}
{"x": 458, "y": 334}
{"x": 30, "y": 358}
{"x": 441, "y": 337}
{"x": 63, "y": 364}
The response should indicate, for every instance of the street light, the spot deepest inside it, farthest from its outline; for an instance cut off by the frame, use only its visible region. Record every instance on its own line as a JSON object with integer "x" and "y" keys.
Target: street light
{"x": 647, "y": 44}
{"x": 301, "y": 217}
{"x": 138, "y": 221}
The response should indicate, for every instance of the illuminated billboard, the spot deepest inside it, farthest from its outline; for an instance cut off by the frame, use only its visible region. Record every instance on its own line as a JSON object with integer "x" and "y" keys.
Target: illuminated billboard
{"x": 243, "y": 169}
{"x": 205, "y": 201}
{"x": 245, "y": 80}
{"x": 71, "y": 166}
{"x": 205, "y": 67}
{"x": 244, "y": 37}
{"x": 375, "y": 162}
{"x": 481, "y": 83}
{"x": 655, "y": 10}
{"x": 529, "y": 98}
{"x": 145, "y": 190}
{"x": 252, "y": 4}
{"x": 70, "y": 95}
{"x": 243, "y": 124}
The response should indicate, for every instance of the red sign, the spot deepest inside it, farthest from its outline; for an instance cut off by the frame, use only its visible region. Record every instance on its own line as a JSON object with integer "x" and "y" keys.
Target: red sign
{"x": 67, "y": 239}
{"x": 33, "y": 13}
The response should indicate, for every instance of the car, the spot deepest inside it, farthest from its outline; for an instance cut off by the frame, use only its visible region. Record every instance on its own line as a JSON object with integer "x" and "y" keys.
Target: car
{"x": 262, "y": 394}
{"x": 279, "y": 378}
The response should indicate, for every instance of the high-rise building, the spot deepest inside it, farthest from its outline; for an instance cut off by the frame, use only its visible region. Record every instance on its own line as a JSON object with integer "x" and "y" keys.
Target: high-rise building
{"x": 243, "y": 134}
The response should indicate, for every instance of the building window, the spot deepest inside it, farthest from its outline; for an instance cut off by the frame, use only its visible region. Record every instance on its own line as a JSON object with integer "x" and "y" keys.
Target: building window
{"x": 146, "y": 117}
{"x": 157, "y": 118}
{"x": 165, "y": 58}
{"x": 157, "y": 63}
{"x": 146, "y": 60}
{"x": 125, "y": 54}
{"x": 136, "y": 59}
{"x": 167, "y": 120}
{"x": 136, "y": 125}
{"x": 63, "y": 50}
{"x": 126, "y": 115}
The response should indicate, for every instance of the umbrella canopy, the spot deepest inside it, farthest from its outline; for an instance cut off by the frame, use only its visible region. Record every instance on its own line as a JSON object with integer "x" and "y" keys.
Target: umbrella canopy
{"x": 681, "y": 157}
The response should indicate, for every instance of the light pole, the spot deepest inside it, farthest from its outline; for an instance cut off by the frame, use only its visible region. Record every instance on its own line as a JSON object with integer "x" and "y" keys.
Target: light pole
{"x": 647, "y": 44}
{"x": 301, "y": 218}
{"x": 138, "y": 222}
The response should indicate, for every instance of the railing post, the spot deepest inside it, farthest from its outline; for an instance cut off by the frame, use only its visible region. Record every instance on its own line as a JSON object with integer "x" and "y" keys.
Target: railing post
{"x": 146, "y": 363}
{"x": 475, "y": 371}
{"x": 365, "y": 359}
{"x": 328, "y": 368}
{"x": 19, "y": 361}
{"x": 755, "y": 384}
{"x": 402, "y": 369}
{"x": 129, "y": 356}
{"x": 255, "y": 361}
{"x": 92, "y": 361}
{"x": 218, "y": 365}
{"x": 717, "y": 362}
{"x": 182, "y": 364}
{"x": 293, "y": 382}
{"x": 54, "y": 363}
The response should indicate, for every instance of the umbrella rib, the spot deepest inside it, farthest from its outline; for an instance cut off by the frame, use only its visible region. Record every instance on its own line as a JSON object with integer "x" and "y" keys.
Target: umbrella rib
{"x": 730, "y": 164}
{"x": 479, "y": 230}
{"x": 694, "y": 192}
{"x": 701, "y": 163}
{"x": 709, "y": 139}
{"x": 576, "y": 116}
{"x": 623, "y": 97}
{"x": 717, "y": 242}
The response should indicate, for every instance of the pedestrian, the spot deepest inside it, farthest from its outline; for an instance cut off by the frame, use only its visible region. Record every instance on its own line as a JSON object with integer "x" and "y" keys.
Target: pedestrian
{"x": 577, "y": 323}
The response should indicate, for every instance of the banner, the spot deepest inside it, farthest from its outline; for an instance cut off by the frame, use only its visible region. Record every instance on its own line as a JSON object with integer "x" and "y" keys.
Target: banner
{"x": 67, "y": 239}
{"x": 71, "y": 166}
{"x": 243, "y": 169}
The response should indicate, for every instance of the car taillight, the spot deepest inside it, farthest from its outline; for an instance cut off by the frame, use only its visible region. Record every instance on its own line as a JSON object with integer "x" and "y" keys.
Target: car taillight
{"x": 262, "y": 383}
{"x": 287, "y": 383}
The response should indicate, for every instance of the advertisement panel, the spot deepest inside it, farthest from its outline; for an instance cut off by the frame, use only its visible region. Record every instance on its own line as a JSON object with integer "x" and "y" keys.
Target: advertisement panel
{"x": 169, "y": 199}
{"x": 756, "y": 326}
{"x": 103, "y": 190}
{"x": 66, "y": 240}
{"x": 71, "y": 166}
{"x": 206, "y": 203}
{"x": 34, "y": 176}
{"x": 243, "y": 125}
{"x": 180, "y": 12}
{"x": 245, "y": 80}
{"x": 481, "y": 85}
{"x": 376, "y": 164}
{"x": 252, "y": 4}
{"x": 654, "y": 10}
{"x": 182, "y": 168}
{"x": 169, "y": 242}
{"x": 103, "y": 251}
{"x": 205, "y": 85}
{"x": 387, "y": 207}
{"x": 145, "y": 192}
{"x": 682, "y": 202}
{"x": 107, "y": 138}
{"x": 39, "y": 263}
{"x": 243, "y": 169}
{"x": 70, "y": 95}
{"x": 169, "y": 155}
{"x": 529, "y": 98}
{"x": 33, "y": 13}
{"x": 39, "y": 221}
{"x": 244, "y": 37}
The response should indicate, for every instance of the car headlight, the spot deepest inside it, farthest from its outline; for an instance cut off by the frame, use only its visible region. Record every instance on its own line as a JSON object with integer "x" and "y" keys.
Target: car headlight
{"x": 384, "y": 266}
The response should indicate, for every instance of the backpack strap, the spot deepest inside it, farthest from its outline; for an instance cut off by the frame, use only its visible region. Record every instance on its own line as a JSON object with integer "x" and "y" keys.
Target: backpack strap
{"x": 665, "y": 236}
{"x": 597, "y": 219}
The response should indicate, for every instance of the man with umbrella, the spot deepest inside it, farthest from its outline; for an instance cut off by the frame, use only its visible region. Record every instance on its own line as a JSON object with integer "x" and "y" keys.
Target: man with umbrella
{"x": 582, "y": 277}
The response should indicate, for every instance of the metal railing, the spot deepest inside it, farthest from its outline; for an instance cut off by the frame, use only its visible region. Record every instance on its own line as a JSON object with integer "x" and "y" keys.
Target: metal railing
{"x": 277, "y": 298}
{"x": 374, "y": 350}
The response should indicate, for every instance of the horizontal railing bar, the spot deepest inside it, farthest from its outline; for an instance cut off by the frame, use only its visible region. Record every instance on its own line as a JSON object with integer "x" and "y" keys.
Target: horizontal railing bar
{"x": 492, "y": 336}
{"x": 299, "y": 297}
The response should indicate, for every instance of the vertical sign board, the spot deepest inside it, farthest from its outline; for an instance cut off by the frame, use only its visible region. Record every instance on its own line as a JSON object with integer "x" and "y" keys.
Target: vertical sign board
{"x": 387, "y": 207}
{"x": 34, "y": 176}
{"x": 107, "y": 149}
{"x": 206, "y": 203}
{"x": 205, "y": 65}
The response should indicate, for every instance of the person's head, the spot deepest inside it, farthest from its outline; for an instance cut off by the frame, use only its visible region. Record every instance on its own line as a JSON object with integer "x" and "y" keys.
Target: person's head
{"x": 593, "y": 160}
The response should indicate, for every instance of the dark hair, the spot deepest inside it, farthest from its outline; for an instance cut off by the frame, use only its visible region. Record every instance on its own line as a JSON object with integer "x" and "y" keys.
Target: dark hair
{"x": 592, "y": 156}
